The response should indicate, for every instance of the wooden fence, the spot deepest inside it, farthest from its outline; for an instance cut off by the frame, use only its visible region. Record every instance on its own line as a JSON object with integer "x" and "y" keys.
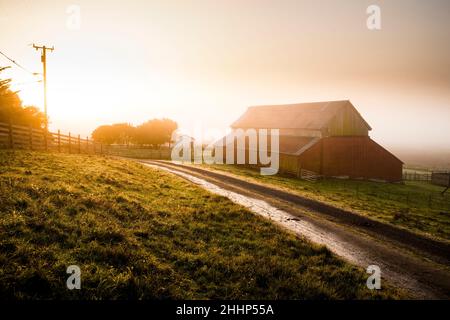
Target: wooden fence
{"x": 22, "y": 137}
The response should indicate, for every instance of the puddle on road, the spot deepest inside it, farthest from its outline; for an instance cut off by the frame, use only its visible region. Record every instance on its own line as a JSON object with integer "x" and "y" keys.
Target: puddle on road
{"x": 282, "y": 218}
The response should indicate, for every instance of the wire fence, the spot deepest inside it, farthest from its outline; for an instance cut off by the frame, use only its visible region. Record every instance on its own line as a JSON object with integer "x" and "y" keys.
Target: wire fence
{"x": 417, "y": 176}
{"x": 409, "y": 199}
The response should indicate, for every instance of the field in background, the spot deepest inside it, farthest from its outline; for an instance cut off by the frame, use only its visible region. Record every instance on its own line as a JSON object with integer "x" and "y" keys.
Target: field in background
{"x": 417, "y": 206}
{"x": 426, "y": 159}
{"x": 137, "y": 152}
{"x": 140, "y": 233}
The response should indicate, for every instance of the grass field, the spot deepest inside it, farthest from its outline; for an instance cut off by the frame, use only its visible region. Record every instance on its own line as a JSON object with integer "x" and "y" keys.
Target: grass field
{"x": 137, "y": 152}
{"x": 417, "y": 206}
{"x": 140, "y": 233}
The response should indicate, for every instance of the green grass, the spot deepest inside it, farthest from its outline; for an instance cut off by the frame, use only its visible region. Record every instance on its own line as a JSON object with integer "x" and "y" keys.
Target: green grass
{"x": 140, "y": 233}
{"x": 417, "y": 206}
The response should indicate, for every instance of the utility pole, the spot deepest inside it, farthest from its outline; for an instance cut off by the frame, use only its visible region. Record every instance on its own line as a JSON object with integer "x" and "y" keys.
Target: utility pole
{"x": 44, "y": 64}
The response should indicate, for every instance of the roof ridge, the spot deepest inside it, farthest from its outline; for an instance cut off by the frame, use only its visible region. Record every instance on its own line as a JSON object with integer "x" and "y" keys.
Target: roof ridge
{"x": 299, "y": 103}
{"x": 311, "y": 116}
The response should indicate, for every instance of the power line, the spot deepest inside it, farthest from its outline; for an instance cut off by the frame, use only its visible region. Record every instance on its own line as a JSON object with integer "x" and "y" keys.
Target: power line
{"x": 20, "y": 66}
{"x": 23, "y": 83}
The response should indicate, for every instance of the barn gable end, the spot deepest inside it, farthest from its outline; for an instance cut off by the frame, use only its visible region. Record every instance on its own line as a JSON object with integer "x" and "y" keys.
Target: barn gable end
{"x": 347, "y": 122}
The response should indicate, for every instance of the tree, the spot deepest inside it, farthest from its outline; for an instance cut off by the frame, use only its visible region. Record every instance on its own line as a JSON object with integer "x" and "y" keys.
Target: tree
{"x": 155, "y": 132}
{"x": 124, "y": 132}
{"x": 10, "y": 103}
{"x": 120, "y": 133}
{"x": 11, "y": 109}
{"x": 103, "y": 134}
{"x": 32, "y": 116}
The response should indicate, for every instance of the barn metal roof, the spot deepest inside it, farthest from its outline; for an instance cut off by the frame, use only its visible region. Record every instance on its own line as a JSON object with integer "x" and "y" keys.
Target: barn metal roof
{"x": 312, "y": 116}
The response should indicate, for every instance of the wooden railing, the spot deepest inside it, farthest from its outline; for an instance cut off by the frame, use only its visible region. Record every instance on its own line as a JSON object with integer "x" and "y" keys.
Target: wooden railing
{"x": 22, "y": 137}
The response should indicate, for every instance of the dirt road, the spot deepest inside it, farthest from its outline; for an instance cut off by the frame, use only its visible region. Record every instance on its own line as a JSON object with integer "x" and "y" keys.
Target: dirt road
{"x": 417, "y": 264}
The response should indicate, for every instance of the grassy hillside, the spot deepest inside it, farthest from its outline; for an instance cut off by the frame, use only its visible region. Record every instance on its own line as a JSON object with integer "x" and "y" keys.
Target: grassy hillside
{"x": 140, "y": 233}
{"x": 417, "y": 206}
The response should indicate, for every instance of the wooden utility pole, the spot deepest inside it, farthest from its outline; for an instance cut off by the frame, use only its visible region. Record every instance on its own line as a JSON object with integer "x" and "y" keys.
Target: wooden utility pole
{"x": 44, "y": 64}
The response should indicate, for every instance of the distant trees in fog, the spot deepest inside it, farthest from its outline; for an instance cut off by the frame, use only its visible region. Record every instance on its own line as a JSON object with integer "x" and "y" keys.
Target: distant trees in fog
{"x": 120, "y": 133}
{"x": 154, "y": 132}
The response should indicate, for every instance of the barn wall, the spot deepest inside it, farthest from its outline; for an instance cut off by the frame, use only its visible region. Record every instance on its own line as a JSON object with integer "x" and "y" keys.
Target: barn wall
{"x": 289, "y": 164}
{"x": 347, "y": 122}
{"x": 311, "y": 159}
{"x": 355, "y": 157}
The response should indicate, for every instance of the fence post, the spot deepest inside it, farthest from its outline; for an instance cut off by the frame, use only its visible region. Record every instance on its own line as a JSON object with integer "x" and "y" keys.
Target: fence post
{"x": 45, "y": 139}
{"x": 30, "y": 133}
{"x": 11, "y": 141}
{"x": 101, "y": 148}
{"x": 87, "y": 144}
{"x": 79, "y": 144}
{"x": 59, "y": 141}
{"x": 70, "y": 144}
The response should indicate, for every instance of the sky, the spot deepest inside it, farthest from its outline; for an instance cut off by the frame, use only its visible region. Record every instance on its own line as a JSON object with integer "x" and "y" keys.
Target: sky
{"x": 202, "y": 63}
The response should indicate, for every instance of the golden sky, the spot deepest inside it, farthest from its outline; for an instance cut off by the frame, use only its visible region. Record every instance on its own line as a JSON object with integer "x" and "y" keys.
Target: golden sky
{"x": 204, "y": 62}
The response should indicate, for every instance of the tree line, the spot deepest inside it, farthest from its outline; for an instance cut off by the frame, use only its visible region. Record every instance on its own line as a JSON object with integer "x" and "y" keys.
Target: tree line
{"x": 154, "y": 132}
{"x": 13, "y": 111}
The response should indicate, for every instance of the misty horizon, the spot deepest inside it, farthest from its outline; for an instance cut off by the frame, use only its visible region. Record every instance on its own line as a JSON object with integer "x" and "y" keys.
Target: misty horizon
{"x": 205, "y": 63}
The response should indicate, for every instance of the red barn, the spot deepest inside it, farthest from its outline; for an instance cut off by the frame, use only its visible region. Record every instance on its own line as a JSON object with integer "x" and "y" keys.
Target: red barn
{"x": 330, "y": 139}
